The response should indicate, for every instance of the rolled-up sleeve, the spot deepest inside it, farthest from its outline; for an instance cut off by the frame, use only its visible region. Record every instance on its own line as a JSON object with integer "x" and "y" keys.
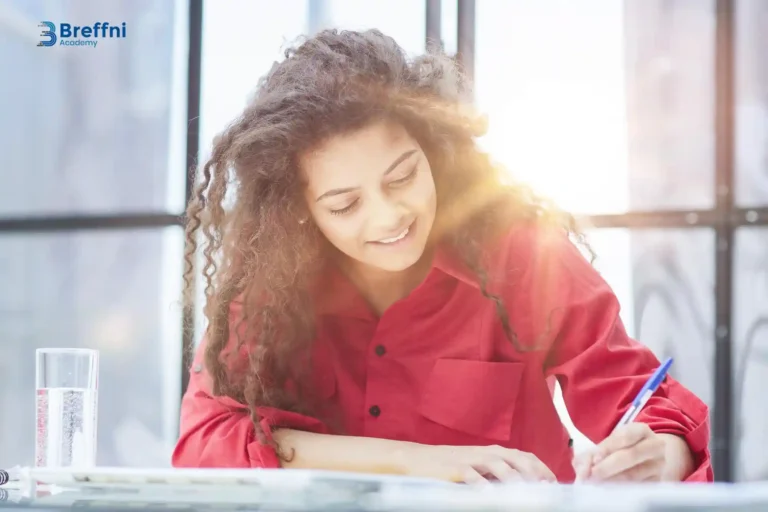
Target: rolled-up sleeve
{"x": 218, "y": 431}
{"x": 601, "y": 369}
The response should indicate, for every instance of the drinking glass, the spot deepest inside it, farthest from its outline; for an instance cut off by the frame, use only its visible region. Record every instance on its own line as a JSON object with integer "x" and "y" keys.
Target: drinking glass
{"x": 67, "y": 407}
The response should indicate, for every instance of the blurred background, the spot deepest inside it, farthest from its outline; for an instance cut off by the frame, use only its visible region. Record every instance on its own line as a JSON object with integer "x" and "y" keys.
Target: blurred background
{"x": 647, "y": 117}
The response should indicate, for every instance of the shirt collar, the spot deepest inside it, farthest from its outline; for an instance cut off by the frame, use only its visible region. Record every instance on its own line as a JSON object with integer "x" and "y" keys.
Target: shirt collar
{"x": 447, "y": 261}
{"x": 335, "y": 294}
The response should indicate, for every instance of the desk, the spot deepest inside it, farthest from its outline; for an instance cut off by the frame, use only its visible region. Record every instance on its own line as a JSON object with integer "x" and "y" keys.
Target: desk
{"x": 385, "y": 498}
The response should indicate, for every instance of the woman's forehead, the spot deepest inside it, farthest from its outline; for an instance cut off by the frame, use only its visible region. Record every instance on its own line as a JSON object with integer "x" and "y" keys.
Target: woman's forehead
{"x": 356, "y": 151}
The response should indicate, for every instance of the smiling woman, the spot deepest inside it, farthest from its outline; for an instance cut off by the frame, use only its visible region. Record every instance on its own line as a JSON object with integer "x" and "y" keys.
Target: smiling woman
{"x": 380, "y": 300}
{"x": 375, "y": 197}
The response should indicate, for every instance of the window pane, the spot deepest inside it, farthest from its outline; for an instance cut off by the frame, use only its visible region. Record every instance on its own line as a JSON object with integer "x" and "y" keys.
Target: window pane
{"x": 664, "y": 280}
{"x": 92, "y": 129}
{"x": 750, "y": 358}
{"x": 117, "y": 292}
{"x": 232, "y": 63}
{"x": 234, "y": 59}
{"x": 669, "y": 52}
{"x": 449, "y": 14}
{"x": 603, "y": 106}
{"x": 751, "y": 103}
{"x": 403, "y": 20}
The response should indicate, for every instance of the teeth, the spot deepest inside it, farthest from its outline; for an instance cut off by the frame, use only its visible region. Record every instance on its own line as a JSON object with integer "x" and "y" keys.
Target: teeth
{"x": 394, "y": 239}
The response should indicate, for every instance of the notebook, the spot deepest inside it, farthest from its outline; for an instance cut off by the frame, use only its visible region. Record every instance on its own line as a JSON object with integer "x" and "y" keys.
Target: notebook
{"x": 286, "y": 479}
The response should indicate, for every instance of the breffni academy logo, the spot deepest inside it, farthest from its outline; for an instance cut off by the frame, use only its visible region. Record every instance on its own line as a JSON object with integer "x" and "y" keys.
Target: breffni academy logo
{"x": 50, "y": 34}
{"x": 67, "y": 34}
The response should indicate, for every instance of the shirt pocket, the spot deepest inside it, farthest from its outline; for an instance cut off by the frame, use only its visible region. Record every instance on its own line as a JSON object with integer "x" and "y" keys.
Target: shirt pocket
{"x": 474, "y": 397}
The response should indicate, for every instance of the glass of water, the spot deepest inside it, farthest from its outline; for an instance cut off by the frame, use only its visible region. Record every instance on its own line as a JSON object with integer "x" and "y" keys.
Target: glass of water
{"x": 67, "y": 407}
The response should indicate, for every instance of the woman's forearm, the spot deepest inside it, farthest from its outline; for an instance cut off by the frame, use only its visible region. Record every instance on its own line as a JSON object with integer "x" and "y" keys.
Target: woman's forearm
{"x": 307, "y": 450}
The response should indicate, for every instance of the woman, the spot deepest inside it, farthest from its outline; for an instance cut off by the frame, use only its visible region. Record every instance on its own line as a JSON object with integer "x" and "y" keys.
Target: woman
{"x": 379, "y": 299}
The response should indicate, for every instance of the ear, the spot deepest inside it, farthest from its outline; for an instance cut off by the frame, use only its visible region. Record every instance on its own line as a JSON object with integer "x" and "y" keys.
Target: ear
{"x": 299, "y": 211}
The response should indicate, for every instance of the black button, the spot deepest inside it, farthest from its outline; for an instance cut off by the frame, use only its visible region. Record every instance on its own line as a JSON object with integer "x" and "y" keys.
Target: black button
{"x": 380, "y": 350}
{"x": 374, "y": 411}
{"x": 570, "y": 443}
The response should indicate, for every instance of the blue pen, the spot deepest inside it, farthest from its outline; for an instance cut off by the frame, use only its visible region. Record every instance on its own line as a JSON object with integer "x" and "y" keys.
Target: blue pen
{"x": 645, "y": 393}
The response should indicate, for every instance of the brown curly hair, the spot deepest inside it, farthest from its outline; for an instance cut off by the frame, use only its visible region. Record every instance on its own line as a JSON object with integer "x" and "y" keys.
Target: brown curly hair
{"x": 248, "y": 199}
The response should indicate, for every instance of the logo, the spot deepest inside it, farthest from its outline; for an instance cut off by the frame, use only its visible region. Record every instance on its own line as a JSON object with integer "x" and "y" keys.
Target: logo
{"x": 50, "y": 34}
{"x": 67, "y": 34}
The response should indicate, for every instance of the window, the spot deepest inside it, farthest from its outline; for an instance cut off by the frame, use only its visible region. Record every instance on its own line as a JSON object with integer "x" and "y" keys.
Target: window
{"x": 90, "y": 130}
{"x": 93, "y": 138}
{"x": 613, "y": 109}
{"x": 117, "y": 292}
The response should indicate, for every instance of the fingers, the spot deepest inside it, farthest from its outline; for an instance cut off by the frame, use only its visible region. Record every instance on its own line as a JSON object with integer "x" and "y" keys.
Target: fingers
{"x": 647, "y": 471}
{"x": 632, "y": 453}
{"x": 515, "y": 466}
{"x": 649, "y": 451}
{"x": 582, "y": 465}
{"x": 473, "y": 477}
{"x": 528, "y": 465}
{"x": 531, "y": 468}
{"x": 500, "y": 470}
{"x": 495, "y": 463}
{"x": 624, "y": 437}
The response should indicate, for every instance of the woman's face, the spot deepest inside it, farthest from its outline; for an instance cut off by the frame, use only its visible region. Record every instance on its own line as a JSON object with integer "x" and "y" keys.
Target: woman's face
{"x": 372, "y": 195}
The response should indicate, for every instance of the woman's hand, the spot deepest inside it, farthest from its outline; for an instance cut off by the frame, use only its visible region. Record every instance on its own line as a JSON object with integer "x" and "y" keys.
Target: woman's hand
{"x": 634, "y": 453}
{"x": 474, "y": 464}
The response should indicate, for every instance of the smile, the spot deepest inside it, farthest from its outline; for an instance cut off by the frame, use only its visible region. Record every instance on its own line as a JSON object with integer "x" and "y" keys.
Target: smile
{"x": 395, "y": 238}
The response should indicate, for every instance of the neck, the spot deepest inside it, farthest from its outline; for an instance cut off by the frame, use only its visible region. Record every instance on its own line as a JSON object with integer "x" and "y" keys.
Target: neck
{"x": 382, "y": 288}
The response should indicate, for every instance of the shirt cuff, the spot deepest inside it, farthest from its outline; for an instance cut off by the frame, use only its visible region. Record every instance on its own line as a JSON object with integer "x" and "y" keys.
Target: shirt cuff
{"x": 264, "y": 455}
{"x": 692, "y": 425}
{"x": 698, "y": 442}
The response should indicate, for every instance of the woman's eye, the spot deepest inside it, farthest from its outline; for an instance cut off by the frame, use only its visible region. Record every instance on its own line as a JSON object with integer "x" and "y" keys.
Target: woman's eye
{"x": 405, "y": 179}
{"x": 346, "y": 209}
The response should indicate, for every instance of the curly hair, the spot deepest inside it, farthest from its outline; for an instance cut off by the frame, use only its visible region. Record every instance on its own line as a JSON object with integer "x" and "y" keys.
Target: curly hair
{"x": 248, "y": 199}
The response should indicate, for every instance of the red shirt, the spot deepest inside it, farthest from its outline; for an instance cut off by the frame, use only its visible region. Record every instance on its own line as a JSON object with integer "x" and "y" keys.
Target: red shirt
{"x": 436, "y": 368}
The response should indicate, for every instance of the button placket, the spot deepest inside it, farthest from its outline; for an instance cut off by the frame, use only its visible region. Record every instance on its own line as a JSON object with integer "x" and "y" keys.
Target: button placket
{"x": 377, "y": 371}
{"x": 379, "y": 350}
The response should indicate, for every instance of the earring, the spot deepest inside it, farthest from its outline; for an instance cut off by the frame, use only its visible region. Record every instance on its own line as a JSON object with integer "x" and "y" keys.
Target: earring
{"x": 303, "y": 221}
